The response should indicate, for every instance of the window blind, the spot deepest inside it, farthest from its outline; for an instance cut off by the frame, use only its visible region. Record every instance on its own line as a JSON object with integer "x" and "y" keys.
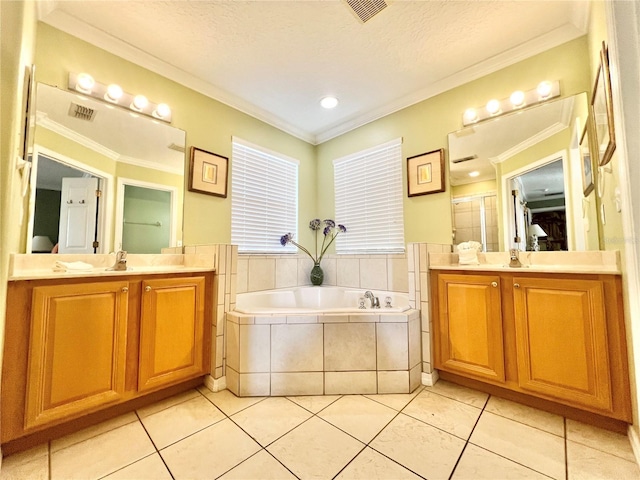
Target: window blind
{"x": 264, "y": 198}
{"x": 368, "y": 200}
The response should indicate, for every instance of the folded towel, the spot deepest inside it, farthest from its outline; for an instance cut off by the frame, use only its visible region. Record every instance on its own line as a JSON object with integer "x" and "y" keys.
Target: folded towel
{"x": 468, "y": 253}
{"x": 59, "y": 266}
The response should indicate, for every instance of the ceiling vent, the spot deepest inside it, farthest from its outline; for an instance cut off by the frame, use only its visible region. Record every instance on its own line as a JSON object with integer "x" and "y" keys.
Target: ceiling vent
{"x": 81, "y": 112}
{"x": 465, "y": 159}
{"x": 365, "y": 10}
{"x": 177, "y": 148}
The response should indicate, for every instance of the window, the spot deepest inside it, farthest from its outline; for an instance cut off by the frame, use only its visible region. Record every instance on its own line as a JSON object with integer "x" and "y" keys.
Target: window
{"x": 264, "y": 198}
{"x": 368, "y": 191}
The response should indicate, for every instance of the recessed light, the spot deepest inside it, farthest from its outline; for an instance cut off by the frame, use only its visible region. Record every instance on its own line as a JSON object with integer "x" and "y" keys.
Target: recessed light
{"x": 329, "y": 102}
{"x": 475, "y": 173}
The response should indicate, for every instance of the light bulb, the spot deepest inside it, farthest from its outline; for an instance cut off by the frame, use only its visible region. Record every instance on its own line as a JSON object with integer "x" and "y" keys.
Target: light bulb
{"x": 470, "y": 115}
{"x": 329, "y": 102}
{"x": 162, "y": 111}
{"x": 517, "y": 98}
{"x": 139, "y": 103}
{"x": 85, "y": 83}
{"x": 114, "y": 93}
{"x": 493, "y": 107}
{"x": 475, "y": 173}
{"x": 544, "y": 89}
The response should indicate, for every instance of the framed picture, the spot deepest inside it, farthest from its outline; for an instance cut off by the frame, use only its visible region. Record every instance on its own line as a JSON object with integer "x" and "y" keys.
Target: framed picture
{"x": 602, "y": 111}
{"x": 208, "y": 173}
{"x": 425, "y": 173}
{"x": 586, "y": 161}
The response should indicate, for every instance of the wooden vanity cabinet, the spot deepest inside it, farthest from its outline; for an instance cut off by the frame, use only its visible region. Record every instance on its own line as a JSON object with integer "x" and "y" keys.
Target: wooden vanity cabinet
{"x": 563, "y": 336}
{"x": 80, "y": 345}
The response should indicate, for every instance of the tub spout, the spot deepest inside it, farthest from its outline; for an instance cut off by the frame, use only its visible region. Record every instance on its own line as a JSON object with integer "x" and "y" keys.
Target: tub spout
{"x": 375, "y": 302}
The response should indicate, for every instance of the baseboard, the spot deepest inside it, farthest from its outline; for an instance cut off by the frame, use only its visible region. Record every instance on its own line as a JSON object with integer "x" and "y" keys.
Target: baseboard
{"x": 634, "y": 439}
{"x": 215, "y": 384}
{"x": 430, "y": 379}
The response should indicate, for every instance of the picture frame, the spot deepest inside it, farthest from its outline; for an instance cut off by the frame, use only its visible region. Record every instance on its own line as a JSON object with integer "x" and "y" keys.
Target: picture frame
{"x": 586, "y": 160}
{"x": 602, "y": 111}
{"x": 208, "y": 173}
{"x": 425, "y": 173}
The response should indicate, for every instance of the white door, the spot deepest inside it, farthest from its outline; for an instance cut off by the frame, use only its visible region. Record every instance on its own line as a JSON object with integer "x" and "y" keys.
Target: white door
{"x": 78, "y": 206}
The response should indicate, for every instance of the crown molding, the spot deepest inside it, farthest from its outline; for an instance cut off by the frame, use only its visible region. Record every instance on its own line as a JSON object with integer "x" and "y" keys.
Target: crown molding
{"x": 529, "y": 142}
{"x": 152, "y": 165}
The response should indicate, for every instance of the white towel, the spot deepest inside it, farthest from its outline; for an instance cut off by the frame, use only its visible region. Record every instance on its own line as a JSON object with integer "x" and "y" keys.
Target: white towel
{"x": 59, "y": 266}
{"x": 468, "y": 253}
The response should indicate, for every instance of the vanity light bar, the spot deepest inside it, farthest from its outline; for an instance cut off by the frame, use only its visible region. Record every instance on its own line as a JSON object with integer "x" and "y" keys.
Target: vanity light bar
{"x": 545, "y": 90}
{"x": 85, "y": 84}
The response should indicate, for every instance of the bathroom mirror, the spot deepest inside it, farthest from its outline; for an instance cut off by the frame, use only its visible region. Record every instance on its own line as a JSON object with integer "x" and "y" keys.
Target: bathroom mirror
{"x": 136, "y": 164}
{"x": 517, "y": 176}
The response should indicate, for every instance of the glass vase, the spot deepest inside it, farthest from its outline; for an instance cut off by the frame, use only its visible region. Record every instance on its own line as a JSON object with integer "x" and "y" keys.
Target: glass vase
{"x": 316, "y": 275}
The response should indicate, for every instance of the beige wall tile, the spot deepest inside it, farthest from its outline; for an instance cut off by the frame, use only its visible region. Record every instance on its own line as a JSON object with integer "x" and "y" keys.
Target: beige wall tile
{"x": 423, "y": 258}
{"x": 304, "y": 269}
{"x": 302, "y": 319}
{"x": 349, "y": 346}
{"x": 254, "y": 385}
{"x": 222, "y": 259}
{"x": 333, "y": 318}
{"x": 347, "y": 383}
{"x": 392, "y": 346}
{"x": 262, "y": 274}
{"x": 426, "y": 367}
{"x": 268, "y": 320}
{"x": 364, "y": 317}
{"x": 286, "y": 272}
{"x": 348, "y": 272}
{"x": 410, "y": 258}
{"x": 415, "y": 377}
{"x": 255, "y": 346}
{"x": 243, "y": 274}
{"x": 393, "y": 382}
{"x": 426, "y": 348}
{"x": 373, "y": 273}
{"x": 233, "y": 380}
{"x": 393, "y": 317}
{"x": 329, "y": 267}
{"x": 219, "y": 351}
{"x": 397, "y": 275}
{"x": 424, "y": 316}
{"x": 302, "y": 383}
{"x": 296, "y": 348}
{"x": 415, "y": 343}
{"x": 233, "y": 345}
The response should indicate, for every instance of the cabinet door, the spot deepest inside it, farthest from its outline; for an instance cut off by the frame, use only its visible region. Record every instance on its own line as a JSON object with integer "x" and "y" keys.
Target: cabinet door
{"x": 77, "y": 350}
{"x": 561, "y": 340}
{"x": 171, "y": 331}
{"x": 470, "y": 326}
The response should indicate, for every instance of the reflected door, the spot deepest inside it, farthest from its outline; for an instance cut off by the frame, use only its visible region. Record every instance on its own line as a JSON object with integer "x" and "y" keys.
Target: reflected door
{"x": 78, "y": 214}
{"x": 476, "y": 218}
{"x": 146, "y": 227}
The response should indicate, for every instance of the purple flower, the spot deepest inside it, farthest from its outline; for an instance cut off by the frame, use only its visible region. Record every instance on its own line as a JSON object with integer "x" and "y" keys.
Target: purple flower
{"x": 315, "y": 224}
{"x": 342, "y": 228}
{"x": 327, "y": 230}
{"x": 285, "y": 239}
{"x": 329, "y": 223}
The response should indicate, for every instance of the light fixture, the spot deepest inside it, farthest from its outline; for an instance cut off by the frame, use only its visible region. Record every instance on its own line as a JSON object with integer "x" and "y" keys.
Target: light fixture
{"x": 115, "y": 95}
{"x": 545, "y": 90}
{"x": 41, "y": 243}
{"x": 536, "y": 231}
{"x": 475, "y": 173}
{"x": 329, "y": 102}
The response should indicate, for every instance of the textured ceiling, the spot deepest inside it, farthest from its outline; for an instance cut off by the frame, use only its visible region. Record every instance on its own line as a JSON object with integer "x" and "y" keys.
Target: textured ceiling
{"x": 276, "y": 59}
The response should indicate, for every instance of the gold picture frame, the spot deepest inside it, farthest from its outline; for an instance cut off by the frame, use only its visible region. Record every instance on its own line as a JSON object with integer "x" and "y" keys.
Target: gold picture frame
{"x": 602, "y": 111}
{"x": 586, "y": 160}
{"x": 208, "y": 173}
{"x": 425, "y": 173}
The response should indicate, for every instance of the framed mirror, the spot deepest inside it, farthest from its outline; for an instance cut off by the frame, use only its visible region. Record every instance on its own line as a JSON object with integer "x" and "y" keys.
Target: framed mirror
{"x": 104, "y": 179}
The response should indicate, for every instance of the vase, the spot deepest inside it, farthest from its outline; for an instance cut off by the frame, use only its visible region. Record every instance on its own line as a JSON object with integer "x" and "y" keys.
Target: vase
{"x": 316, "y": 275}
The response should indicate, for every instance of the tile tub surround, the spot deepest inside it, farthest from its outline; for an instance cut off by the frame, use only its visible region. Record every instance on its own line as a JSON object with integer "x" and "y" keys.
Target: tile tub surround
{"x": 323, "y": 354}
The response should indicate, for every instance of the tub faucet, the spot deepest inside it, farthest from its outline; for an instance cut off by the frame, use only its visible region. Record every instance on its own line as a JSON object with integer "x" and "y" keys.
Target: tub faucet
{"x": 515, "y": 261}
{"x": 375, "y": 303}
{"x": 121, "y": 261}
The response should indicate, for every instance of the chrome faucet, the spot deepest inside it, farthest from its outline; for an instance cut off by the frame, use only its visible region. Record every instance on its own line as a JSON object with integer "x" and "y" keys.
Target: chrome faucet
{"x": 375, "y": 303}
{"x": 121, "y": 261}
{"x": 515, "y": 261}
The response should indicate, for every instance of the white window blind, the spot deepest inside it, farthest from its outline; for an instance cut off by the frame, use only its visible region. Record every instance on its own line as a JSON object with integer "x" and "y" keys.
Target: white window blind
{"x": 368, "y": 199}
{"x": 264, "y": 198}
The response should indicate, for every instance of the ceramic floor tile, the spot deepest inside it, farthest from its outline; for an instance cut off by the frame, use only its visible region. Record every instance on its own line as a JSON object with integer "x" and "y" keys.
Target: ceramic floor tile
{"x": 315, "y": 449}
{"x": 174, "y": 423}
{"x": 444, "y": 413}
{"x": 228, "y": 402}
{"x": 458, "y": 392}
{"x": 102, "y": 454}
{"x": 270, "y": 419}
{"x": 92, "y": 431}
{"x": 533, "y": 448}
{"x": 210, "y": 452}
{"x": 397, "y": 401}
{"x": 423, "y": 449}
{"x": 261, "y": 466}
{"x": 594, "y": 437}
{"x": 314, "y": 403}
{"x": 149, "y": 468}
{"x": 32, "y": 464}
{"x": 529, "y": 416}
{"x": 480, "y": 464}
{"x": 358, "y": 416}
{"x": 167, "y": 402}
{"x": 370, "y": 464}
{"x": 586, "y": 463}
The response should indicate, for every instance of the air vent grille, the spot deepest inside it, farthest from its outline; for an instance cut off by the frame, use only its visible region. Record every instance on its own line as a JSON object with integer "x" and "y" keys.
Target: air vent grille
{"x": 177, "y": 148}
{"x": 465, "y": 159}
{"x": 81, "y": 112}
{"x": 365, "y": 10}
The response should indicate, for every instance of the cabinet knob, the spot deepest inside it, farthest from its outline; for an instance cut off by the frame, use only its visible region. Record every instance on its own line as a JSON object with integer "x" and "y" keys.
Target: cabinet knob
{"x": 494, "y": 284}
{"x": 147, "y": 288}
{"x": 516, "y": 285}
{"x": 125, "y": 289}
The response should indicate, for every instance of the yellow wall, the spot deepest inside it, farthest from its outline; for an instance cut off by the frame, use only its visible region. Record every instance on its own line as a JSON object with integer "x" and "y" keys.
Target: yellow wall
{"x": 209, "y": 125}
{"x": 425, "y": 125}
{"x": 474, "y": 188}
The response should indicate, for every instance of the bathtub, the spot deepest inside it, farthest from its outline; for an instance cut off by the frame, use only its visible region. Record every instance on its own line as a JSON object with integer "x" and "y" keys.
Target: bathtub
{"x": 308, "y": 300}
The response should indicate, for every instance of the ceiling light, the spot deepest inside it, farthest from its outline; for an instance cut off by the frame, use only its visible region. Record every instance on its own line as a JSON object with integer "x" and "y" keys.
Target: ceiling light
{"x": 475, "y": 173}
{"x": 493, "y": 107}
{"x": 544, "y": 89}
{"x": 139, "y": 103}
{"x": 85, "y": 83}
{"x": 114, "y": 93}
{"x": 517, "y": 98}
{"x": 470, "y": 115}
{"x": 329, "y": 102}
{"x": 161, "y": 111}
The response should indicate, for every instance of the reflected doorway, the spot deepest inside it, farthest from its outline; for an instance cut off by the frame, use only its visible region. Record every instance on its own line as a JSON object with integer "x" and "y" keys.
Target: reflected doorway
{"x": 475, "y": 218}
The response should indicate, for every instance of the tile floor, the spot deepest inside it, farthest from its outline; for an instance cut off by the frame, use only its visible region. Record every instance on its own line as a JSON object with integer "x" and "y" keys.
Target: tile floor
{"x": 439, "y": 432}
